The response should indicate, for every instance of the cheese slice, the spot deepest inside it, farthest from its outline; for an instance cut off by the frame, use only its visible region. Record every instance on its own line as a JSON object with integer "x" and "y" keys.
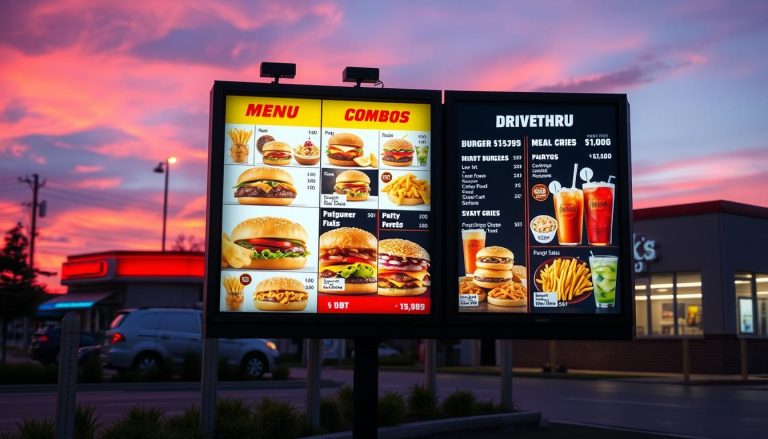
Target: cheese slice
{"x": 400, "y": 284}
{"x": 419, "y": 275}
{"x": 343, "y": 148}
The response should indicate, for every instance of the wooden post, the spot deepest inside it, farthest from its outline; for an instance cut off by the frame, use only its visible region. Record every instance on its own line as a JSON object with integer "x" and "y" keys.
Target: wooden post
{"x": 506, "y": 376}
{"x": 744, "y": 359}
{"x": 552, "y": 356}
{"x": 430, "y": 366}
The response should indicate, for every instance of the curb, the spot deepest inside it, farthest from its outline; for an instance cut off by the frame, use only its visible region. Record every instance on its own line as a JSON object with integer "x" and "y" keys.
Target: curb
{"x": 427, "y": 428}
{"x": 153, "y": 386}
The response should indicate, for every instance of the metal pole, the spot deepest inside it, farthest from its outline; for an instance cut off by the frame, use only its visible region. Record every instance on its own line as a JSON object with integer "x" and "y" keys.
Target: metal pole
{"x": 686, "y": 360}
{"x": 430, "y": 366}
{"x": 66, "y": 389}
{"x": 208, "y": 387}
{"x": 366, "y": 388}
{"x": 314, "y": 372}
{"x": 506, "y": 376}
{"x": 165, "y": 198}
{"x": 744, "y": 359}
{"x": 33, "y": 231}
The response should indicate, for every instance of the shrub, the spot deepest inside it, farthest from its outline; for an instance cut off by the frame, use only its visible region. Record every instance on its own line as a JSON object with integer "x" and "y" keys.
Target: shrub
{"x": 487, "y": 408}
{"x": 92, "y": 371}
{"x": 281, "y": 372}
{"x": 392, "y": 409}
{"x": 331, "y": 419}
{"x": 459, "y": 403}
{"x": 146, "y": 423}
{"x": 276, "y": 419}
{"x": 86, "y": 422}
{"x": 190, "y": 367}
{"x": 184, "y": 426}
{"x": 36, "y": 429}
{"x": 346, "y": 399}
{"x": 422, "y": 404}
{"x": 234, "y": 419}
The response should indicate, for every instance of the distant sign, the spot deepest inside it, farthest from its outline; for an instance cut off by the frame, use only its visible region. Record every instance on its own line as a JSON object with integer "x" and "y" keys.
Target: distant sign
{"x": 644, "y": 252}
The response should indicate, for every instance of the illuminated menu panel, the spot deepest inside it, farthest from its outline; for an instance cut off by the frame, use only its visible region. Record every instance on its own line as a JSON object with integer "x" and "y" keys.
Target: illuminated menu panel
{"x": 537, "y": 217}
{"x": 326, "y": 207}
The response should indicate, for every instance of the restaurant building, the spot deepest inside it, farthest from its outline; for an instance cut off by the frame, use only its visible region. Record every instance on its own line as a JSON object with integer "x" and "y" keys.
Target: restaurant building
{"x": 702, "y": 276}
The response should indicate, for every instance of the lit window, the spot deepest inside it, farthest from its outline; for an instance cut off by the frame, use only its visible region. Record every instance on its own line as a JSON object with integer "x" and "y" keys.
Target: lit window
{"x": 751, "y": 303}
{"x": 669, "y": 304}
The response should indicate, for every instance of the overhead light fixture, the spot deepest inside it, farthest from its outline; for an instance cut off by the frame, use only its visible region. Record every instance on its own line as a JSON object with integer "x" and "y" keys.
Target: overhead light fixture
{"x": 358, "y": 75}
{"x": 277, "y": 70}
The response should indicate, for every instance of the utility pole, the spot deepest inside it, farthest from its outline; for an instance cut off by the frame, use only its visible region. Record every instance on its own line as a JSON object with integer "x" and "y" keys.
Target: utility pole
{"x": 35, "y": 184}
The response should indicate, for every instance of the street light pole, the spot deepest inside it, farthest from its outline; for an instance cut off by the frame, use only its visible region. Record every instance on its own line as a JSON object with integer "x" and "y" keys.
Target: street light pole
{"x": 165, "y": 199}
{"x": 165, "y": 167}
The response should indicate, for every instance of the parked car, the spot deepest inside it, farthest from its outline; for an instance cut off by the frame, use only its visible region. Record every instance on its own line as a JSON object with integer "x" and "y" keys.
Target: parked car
{"x": 148, "y": 338}
{"x": 45, "y": 344}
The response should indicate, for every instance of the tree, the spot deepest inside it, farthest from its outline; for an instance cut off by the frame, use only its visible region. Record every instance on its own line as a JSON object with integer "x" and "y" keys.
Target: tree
{"x": 20, "y": 294}
{"x": 187, "y": 243}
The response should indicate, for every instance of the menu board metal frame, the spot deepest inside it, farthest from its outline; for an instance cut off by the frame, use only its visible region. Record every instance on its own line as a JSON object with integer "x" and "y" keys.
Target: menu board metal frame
{"x": 245, "y": 325}
{"x": 539, "y": 325}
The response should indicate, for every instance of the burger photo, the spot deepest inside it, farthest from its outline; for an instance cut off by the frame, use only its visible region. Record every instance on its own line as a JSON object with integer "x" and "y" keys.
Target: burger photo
{"x": 349, "y": 253}
{"x": 263, "y": 140}
{"x": 403, "y": 268}
{"x": 495, "y": 258}
{"x": 397, "y": 152}
{"x": 486, "y": 278}
{"x": 280, "y": 294}
{"x": 266, "y": 186}
{"x": 274, "y": 243}
{"x": 344, "y": 148}
{"x": 277, "y": 153}
{"x": 356, "y": 185}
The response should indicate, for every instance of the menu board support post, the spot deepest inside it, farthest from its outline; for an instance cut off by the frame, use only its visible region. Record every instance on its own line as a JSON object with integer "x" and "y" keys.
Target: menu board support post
{"x": 208, "y": 386}
{"x": 430, "y": 366}
{"x": 506, "y": 376}
{"x": 366, "y": 388}
{"x": 314, "y": 369}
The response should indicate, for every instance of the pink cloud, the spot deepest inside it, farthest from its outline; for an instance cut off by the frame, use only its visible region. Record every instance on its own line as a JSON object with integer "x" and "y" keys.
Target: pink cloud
{"x": 98, "y": 183}
{"x": 83, "y": 169}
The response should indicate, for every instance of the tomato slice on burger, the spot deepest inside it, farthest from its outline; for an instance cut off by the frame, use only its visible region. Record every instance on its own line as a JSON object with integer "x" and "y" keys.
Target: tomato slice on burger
{"x": 271, "y": 242}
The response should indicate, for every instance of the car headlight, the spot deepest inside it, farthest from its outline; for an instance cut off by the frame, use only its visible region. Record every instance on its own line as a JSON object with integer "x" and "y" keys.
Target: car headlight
{"x": 271, "y": 345}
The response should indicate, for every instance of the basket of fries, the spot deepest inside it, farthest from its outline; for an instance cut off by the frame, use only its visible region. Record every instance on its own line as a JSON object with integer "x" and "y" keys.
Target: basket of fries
{"x": 238, "y": 151}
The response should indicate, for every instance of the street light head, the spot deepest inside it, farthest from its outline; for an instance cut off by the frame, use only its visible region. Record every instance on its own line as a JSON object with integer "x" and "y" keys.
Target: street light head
{"x": 171, "y": 160}
{"x": 159, "y": 168}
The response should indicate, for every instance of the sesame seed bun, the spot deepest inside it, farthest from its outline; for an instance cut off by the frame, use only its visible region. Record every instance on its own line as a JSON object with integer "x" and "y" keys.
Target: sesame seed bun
{"x": 345, "y": 139}
{"x": 353, "y": 176}
{"x": 495, "y": 252}
{"x": 402, "y": 248}
{"x": 276, "y": 145}
{"x": 348, "y": 237}
{"x": 397, "y": 144}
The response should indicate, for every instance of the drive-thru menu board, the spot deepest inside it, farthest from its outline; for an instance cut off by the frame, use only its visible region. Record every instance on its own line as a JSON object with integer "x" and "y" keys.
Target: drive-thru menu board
{"x": 326, "y": 206}
{"x": 538, "y": 215}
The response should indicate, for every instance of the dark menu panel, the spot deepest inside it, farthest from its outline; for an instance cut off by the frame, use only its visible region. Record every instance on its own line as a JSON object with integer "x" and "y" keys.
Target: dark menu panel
{"x": 537, "y": 219}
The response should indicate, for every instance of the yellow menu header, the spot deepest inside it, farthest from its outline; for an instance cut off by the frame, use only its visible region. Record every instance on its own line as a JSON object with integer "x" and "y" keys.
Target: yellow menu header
{"x": 254, "y": 110}
{"x": 376, "y": 115}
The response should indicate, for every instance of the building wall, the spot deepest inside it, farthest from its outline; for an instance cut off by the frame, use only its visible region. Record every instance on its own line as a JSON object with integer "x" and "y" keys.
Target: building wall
{"x": 163, "y": 294}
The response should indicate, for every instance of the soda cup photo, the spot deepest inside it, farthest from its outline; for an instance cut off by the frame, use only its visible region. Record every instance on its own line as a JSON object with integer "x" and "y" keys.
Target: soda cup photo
{"x": 472, "y": 242}
{"x": 604, "y": 269}
{"x": 598, "y": 212}
{"x": 569, "y": 208}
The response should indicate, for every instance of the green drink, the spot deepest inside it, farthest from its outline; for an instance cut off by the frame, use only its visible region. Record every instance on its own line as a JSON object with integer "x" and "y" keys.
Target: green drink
{"x": 604, "y": 279}
{"x": 421, "y": 154}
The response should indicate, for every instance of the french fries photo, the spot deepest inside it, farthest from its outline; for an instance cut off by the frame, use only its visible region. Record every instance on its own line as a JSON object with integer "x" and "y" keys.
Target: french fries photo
{"x": 234, "y": 289}
{"x": 408, "y": 190}
{"x": 569, "y": 277}
{"x": 238, "y": 151}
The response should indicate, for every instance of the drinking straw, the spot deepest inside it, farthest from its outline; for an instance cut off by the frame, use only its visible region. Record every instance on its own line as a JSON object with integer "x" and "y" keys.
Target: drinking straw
{"x": 610, "y": 177}
{"x": 575, "y": 172}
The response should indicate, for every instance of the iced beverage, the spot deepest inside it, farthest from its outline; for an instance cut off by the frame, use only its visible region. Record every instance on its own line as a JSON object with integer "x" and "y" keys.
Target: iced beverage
{"x": 598, "y": 212}
{"x": 569, "y": 208}
{"x": 472, "y": 241}
{"x": 604, "y": 279}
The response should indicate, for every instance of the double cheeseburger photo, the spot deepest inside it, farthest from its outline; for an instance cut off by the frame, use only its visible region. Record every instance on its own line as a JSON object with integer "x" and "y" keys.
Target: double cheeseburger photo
{"x": 355, "y": 185}
{"x": 348, "y": 253}
{"x": 403, "y": 268}
{"x": 266, "y": 186}
{"x": 271, "y": 243}
{"x": 280, "y": 294}
{"x": 344, "y": 148}
{"x": 397, "y": 152}
{"x": 494, "y": 267}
